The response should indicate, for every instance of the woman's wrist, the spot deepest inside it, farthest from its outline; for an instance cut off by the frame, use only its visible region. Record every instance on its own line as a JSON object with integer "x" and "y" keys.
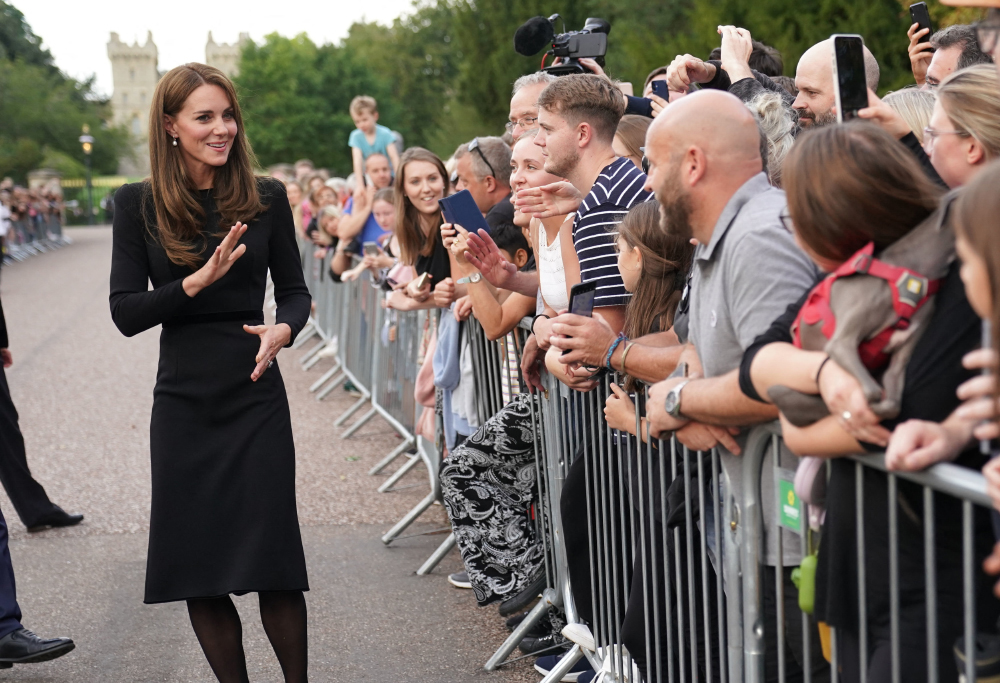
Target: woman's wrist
{"x": 192, "y": 285}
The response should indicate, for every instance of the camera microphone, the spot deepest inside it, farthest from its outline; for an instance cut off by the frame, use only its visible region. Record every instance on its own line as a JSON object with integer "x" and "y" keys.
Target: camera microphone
{"x": 534, "y": 35}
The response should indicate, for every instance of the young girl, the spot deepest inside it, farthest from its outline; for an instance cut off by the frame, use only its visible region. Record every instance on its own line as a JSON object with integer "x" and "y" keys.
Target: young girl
{"x": 384, "y": 211}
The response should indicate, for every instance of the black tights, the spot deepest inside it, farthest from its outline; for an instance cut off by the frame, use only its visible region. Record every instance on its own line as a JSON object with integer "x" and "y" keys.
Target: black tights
{"x": 220, "y": 632}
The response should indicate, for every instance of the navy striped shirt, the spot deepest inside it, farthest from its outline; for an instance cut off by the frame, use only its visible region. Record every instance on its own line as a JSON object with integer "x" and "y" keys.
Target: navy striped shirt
{"x": 619, "y": 187}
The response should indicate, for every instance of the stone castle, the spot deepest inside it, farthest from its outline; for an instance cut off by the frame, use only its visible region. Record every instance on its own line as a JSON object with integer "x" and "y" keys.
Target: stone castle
{"x": 135, "y": 71}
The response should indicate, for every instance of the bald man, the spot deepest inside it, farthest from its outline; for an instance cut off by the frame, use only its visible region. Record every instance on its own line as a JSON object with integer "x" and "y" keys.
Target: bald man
{"x": 706, "y": 171}
{"x": 813, "y": 77}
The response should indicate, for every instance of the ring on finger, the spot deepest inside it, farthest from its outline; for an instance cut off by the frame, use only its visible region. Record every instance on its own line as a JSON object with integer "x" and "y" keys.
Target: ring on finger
{"x": 270, "y": 362}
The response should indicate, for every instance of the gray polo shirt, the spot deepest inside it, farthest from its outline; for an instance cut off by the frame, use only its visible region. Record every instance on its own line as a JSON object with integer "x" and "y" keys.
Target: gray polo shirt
{"x": 743, "y": 279}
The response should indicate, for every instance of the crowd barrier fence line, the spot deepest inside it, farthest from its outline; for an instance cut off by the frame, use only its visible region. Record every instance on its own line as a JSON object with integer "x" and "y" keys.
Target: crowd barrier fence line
{"x": 714, "y": 550}
{"x": 31, "y": 236}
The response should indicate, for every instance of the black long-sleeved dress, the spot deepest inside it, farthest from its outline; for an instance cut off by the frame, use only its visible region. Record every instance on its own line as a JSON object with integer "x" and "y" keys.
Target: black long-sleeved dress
{"x": 223, "y": 517}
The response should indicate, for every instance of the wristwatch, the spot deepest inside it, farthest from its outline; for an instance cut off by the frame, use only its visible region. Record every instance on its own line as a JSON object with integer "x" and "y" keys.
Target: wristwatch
{"x": 672, "y": 403}
{"x": 474, "y": 278}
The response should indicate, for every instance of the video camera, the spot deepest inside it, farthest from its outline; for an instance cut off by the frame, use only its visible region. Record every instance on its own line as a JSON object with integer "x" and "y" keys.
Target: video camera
{"x": 590, "y": 41}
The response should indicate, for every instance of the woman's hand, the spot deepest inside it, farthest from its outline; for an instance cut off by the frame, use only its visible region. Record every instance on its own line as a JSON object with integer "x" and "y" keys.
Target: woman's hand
{"x": 320, "y": 253}
{"x": 530, "y": 365}
{"x": 463, "y": 308}
{"x": 219, "y": 263}
{"x": 6, "y": 358}
{"x": 992, "y": 474}
{"x": 619, "y": 410}
{"x": 846, "y": 400}
{"x": 554, "y": 199}
{"x": 885, "y": 116}
{"x": 736, "y": 49}
{"x": 543, "y": 333}
{"x": 448, "y": 233}
{"x": 657, "y": 104}
{"x": 979, "y": 395}
{"x": 460, "y": 244}
{"x": 918, "y": 444}
{"x": 273, "y": 338}
{"x": 444, "y": 293}
{"x": 421, "y": 294}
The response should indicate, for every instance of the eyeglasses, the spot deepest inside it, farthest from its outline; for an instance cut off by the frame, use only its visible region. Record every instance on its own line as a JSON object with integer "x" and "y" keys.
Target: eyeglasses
{"x": 525, "y": 123}
{"x": 930, "y": 134}
{"x": 474, "y": 146}
{"x": 645, "y": 161}
{"x": 987, "y": 34}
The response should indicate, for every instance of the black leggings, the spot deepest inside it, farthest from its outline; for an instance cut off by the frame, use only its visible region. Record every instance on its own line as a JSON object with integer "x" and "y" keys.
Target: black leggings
{"x": 220, "y": 633}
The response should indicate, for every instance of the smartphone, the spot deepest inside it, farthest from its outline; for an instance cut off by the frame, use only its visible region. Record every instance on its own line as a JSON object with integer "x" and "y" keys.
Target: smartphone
{"x": 920, "y": 16}
{"x": 986, "y": 341}
{"x": 581, "y": 300}
{"x": 849, "y": 82}
{"x": 660, "y": 89}
{"x": 370, "y": 248}
{"x": 422, "y": 280}
{"x": 460, "y": 209}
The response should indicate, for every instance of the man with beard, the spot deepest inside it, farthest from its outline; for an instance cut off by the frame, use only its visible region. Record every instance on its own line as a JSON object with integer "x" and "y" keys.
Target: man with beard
{"x": 813, "y": 77}
{"x": 706, "y": 171}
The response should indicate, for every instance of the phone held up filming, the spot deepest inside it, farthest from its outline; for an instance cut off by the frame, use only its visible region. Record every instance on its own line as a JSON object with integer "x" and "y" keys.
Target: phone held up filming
{"x": 849, "y": 83}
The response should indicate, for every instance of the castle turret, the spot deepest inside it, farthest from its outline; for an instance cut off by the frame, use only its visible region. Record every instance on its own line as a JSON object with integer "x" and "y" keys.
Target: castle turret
{"x": 225, "y": 57}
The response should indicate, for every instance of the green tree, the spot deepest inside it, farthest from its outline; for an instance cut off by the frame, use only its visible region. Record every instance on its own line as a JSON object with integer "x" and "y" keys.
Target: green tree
{"x": 18, "y": 41}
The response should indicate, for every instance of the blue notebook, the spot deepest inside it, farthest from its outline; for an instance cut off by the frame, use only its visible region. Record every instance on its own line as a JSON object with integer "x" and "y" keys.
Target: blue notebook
{"x": 460, "y": 209}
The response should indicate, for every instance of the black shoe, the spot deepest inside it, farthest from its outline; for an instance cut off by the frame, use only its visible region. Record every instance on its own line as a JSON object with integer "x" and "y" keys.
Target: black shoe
{"x": 24, "y": 647}
{"x": 57, "y": 518}
{"x": 542, "y": 628}
{"x": 527, "y": 595}
{"x": 552, "y": 643}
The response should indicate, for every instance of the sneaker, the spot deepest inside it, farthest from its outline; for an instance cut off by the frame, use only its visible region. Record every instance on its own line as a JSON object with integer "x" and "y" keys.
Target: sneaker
{"x": 460, "y": 580}
{"x": 587, "y": 677}
{"x": 544, "y": 665}
{"x": 581, "y": 635}
{"x": 543, "y": 645}
{"x": 351, "y": 389}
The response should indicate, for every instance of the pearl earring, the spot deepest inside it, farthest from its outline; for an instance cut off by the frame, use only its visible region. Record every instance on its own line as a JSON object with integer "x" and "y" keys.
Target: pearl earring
{"x": 175, "y": 142}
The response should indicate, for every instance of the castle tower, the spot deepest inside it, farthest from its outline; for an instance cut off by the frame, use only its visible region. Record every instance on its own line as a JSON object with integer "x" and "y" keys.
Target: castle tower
{"x": 135, "y": 73}
{"x": 225, "y": 57}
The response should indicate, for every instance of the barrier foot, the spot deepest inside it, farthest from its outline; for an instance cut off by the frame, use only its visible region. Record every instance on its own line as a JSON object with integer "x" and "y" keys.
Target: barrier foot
{"x": 396, "y": 452}
{"x": 306, "y": 334}
{"x": 309, "y": 355}
{"x": 567, "y": 662}
{"x": 331, "y": 386}
{"x": 536, "y": 614}
{"x": 365, "y": 396}
{"x": 325, "y": 378}
{"x": 399, "y": 474}
{"x": 359, "y": 424}
{"x": 438, "y": 555}
{"x": 410, "y": 517}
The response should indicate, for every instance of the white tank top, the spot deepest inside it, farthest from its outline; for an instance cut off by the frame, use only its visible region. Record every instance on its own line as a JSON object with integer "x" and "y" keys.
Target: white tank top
{"x": 551, "y": 276}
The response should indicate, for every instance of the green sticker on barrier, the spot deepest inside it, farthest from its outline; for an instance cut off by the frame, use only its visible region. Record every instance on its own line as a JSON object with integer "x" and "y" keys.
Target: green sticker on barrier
{"x": 789, "y": 507}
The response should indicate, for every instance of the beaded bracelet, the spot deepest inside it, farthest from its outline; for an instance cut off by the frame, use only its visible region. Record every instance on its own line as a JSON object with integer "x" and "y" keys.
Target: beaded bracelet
{"x": 614, "y": 345}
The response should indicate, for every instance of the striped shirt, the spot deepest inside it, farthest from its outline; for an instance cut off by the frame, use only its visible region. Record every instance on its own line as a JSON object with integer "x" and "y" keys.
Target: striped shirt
{"x": 619, "y": 187}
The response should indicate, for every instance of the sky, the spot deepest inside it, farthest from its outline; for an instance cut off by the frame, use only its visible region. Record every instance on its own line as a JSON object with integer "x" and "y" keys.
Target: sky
{"x": 77, "y": 32}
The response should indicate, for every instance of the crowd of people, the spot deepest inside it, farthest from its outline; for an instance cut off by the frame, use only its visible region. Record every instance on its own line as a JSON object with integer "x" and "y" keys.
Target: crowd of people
{"x": 30, "y": 219}
{"x": 722, "y": 226}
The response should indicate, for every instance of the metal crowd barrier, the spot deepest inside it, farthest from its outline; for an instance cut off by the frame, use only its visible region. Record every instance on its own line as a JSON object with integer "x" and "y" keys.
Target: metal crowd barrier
{"x": 29, "y": 237}
{"x": 652, "y": 514}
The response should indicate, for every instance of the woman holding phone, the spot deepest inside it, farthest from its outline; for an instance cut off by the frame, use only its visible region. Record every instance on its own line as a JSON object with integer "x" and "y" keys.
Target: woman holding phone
{"x": 223, "y": 519}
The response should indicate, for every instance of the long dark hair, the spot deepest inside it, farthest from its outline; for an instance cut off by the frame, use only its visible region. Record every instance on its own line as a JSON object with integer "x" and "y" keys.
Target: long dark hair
{"x": 409, "y": 232}
{"x": 179, "y": 214}
{"x": 666, "y": 258}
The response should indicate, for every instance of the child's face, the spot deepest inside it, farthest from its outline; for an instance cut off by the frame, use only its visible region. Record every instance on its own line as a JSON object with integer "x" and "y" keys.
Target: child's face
{"x": 385, "y": 214}
{"x": 365, "y": 120}
{"x": 976, "y": 279}
{"x": 629, "y": 264}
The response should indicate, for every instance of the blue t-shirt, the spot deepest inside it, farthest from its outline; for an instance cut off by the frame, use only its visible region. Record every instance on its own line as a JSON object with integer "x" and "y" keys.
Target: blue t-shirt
{"x": 371, "y": 232}
{"x": 383, "y": 138}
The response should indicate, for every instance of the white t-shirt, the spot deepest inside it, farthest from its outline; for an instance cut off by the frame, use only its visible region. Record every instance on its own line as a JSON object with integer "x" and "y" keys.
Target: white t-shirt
{"x": 4, "y": 220}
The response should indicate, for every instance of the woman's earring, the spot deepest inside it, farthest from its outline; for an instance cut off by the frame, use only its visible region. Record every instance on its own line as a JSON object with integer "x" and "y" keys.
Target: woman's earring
{"x": 175, "y": 142}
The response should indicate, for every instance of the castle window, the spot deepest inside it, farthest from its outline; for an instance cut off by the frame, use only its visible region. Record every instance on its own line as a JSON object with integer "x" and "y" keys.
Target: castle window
{"x": 131, "y": 74}
{"x": 124, "y": 99}
{"x": 136, "y": 127}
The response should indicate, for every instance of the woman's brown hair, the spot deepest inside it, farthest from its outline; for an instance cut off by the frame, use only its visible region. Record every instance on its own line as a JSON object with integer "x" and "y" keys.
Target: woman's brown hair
{"x": 412, "y": 241}
{"x": 632, "y": 133}
{"x": 179, "y": 214}
{"x": 851, "y": 184}
{"x": 974, "y": 215}
{"x": 666, "y": 258}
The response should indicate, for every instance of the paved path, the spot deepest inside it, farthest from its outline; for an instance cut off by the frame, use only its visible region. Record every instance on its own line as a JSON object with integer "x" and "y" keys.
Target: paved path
{"x": 84, "y": 393}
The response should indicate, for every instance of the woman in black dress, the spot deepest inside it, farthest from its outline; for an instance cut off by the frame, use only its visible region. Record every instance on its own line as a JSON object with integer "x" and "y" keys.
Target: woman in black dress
{"x": 223, "y": 518}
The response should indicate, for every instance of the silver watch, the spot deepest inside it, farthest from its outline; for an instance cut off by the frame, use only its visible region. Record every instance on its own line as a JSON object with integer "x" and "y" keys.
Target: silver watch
{"x": 672, "y": 403}
{"x": 474, "y": 278}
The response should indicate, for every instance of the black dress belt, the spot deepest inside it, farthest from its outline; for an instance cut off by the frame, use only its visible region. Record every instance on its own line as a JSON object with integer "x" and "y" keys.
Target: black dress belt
{"x": 220, "y": 317}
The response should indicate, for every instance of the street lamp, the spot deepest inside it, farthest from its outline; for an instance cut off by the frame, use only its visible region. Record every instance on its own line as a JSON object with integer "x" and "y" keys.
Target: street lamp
{"x": 87, "y": 140}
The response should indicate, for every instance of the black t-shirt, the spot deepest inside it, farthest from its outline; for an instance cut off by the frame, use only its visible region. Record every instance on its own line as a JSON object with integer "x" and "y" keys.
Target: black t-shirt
{"x": 438, "y": 264}
{"x": 932, "y": 377}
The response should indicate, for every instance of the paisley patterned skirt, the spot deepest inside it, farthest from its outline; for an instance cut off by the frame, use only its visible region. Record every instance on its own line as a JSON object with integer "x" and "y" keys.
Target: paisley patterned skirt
{"x": 489, "y": 486}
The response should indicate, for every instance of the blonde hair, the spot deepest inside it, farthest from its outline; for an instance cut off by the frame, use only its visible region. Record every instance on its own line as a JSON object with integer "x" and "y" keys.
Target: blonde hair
{"x": 363, "y": 103}
{"x": 776, "y": 126}
{"x": 915, "y": 106}
{"x": 971, "y": 100}
{"x": 322, "y": 236}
